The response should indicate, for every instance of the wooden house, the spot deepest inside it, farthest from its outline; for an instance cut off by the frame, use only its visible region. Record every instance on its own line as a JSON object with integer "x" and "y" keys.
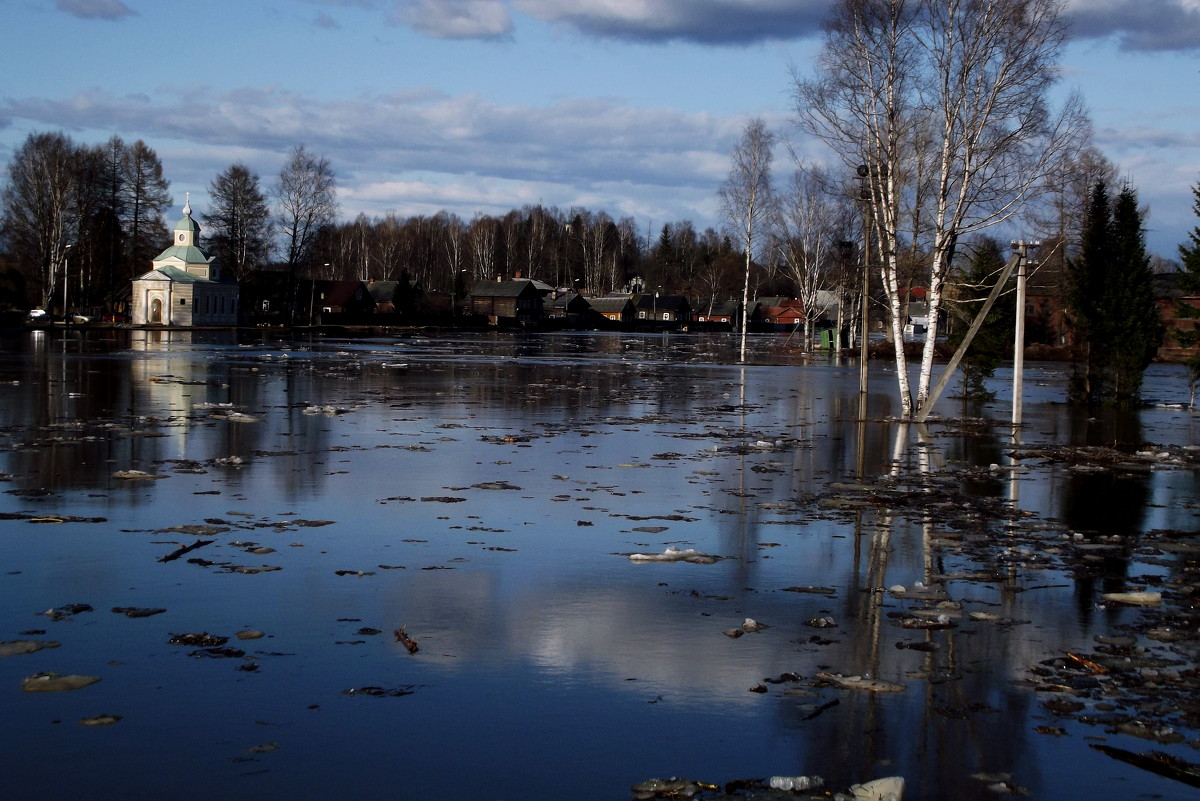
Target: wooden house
{"x": 722, "y": 315}
{"x": 516, "y": 302}
{"x": 617, "y": 309}
{"x": 662, "y": 311}
{"x": 778, "y": 314}
{"x": 568, "y": 308}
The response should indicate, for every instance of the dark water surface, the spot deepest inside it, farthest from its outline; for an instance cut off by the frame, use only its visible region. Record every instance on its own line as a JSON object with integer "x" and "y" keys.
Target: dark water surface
{"x": 489, "y": 489}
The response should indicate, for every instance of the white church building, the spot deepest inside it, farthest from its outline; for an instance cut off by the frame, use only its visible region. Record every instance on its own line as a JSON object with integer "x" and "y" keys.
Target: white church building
{"x": 185, "y": 288}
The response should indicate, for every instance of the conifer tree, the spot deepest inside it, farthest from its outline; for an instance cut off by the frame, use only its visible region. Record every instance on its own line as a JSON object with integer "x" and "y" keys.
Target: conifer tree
{"x": 1189, "y": 284}
{"x": 1087, "y": 274}
{"x": 1111, "y": 301}
{"x": 1135, "y": 325}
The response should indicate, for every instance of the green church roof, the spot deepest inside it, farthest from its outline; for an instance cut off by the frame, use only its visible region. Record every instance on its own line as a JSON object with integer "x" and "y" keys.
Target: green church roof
{"x": 189, "y": 254}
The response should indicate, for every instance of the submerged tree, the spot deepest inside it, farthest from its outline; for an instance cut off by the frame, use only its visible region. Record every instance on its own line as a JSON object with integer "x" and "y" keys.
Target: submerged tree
{"x": 946, "y": 105}
{"x": 1189, "y": 284}
{"x": 1111, "y": 300}
{"x": 807, "y": 232}
{"x": 747, "y": 201}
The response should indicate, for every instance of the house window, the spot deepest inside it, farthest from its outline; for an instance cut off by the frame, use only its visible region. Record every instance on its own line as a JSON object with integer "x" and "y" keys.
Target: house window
{"x": 666, "y": 315}
{"x": 641, "y": 315}
{"x": 183, "y": 301}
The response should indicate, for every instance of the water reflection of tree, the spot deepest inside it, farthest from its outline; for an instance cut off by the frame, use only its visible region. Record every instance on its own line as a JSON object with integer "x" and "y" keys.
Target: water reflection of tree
{"x": 958, "y": 715}
{"x": 1104, "y": 503}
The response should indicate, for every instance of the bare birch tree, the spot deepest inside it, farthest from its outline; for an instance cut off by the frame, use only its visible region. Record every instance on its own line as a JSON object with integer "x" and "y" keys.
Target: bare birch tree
{"x": 306, "y": 201}
{"x": 948, "y": 97}
{"x": 747, "y": 201}
{"x": 806, "y": 236}
{"x": 39, "y": 207}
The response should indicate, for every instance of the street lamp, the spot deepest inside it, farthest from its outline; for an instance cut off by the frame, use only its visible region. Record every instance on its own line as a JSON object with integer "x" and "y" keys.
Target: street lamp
{"x": 66, "y": 282}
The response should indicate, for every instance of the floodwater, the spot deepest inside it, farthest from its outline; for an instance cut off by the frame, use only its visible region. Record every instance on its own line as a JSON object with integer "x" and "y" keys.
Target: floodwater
{"x": 484, "y": 492}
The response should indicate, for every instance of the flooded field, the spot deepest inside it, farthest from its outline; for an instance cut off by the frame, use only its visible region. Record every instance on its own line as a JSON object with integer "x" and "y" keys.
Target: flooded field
{"x": 553, "y": 567}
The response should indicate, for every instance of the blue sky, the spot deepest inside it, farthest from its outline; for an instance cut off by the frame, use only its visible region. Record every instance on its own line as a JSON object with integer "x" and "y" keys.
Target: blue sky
{"x": 481, "y": 106}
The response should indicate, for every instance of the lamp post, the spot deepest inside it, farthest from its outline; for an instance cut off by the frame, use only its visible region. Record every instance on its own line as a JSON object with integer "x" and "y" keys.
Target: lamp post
{"x": 66, "y": 283}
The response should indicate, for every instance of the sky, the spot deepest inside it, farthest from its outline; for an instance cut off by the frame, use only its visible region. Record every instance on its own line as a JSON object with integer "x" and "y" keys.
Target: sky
{"x": 481, "y": 106}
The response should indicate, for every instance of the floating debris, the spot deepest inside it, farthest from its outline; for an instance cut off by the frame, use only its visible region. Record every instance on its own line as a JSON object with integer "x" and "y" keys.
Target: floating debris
{"x": 100, "y": 720}
{"x": 201, "y": 640}
{"x": 381, "y": 692}
{"x": 861, "y": 683}
{"x": 137, "y": 475}
{"x": 15, "y": 647}
{"x": 407, "y": 641}
{"x": 137, "y": 611}
{"x": 1133, "y": 598}
{"x": 234, "y": 416}
{"x": 55, "y": 683}
{"x": 673, "y": 554}
{"x": 178, "y": 552}
{"x": 67, "y": 612}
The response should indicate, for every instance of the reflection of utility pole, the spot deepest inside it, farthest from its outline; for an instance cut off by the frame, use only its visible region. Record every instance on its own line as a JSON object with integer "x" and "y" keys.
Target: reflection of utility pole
{"x": 1021, "y": 248}
{"x": 66, "y": 280}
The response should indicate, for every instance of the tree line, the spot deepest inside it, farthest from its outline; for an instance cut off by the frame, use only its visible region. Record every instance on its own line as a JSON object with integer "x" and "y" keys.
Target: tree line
{"x": 98, "y": 214}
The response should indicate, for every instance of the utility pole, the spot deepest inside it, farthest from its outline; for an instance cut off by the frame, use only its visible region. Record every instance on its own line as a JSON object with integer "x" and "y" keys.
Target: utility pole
{"x": 66, "y": 281}
{"x": 1021, "y": 248}
{"x": 864, "y": 350}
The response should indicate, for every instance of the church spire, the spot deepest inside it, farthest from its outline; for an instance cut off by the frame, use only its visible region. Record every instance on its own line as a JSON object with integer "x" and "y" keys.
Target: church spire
{"x": 187, "y": 206}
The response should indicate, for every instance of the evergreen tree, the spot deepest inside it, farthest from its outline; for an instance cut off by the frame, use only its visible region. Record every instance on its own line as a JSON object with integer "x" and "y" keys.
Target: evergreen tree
{"x": 1111, "y": 301}
{"x": 1189, "y": 284}
{"x": 994, "y": 339}
{"x": 1087, "y": 274}
{"x": 1135, "y": 326}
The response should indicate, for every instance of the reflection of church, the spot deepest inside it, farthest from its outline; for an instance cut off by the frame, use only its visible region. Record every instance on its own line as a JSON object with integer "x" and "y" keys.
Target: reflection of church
{"x": 185, "y": 287}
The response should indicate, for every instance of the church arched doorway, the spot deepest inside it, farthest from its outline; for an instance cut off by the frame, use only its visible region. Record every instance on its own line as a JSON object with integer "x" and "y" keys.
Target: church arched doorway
{"x": 156, "y": 309}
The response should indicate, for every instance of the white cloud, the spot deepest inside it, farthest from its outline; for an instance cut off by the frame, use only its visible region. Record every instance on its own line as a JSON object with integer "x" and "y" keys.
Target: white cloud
{"x": 420, "y": 151}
